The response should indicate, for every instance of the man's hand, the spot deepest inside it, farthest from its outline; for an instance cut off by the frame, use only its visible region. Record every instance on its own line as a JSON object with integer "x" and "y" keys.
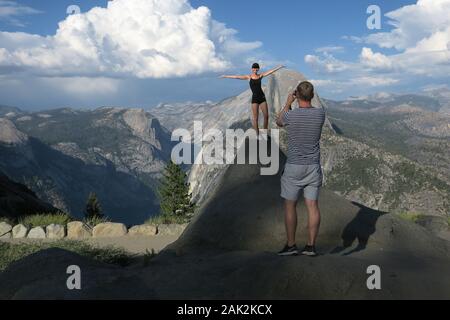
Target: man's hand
{"x": 279, "y": 121}
{"x": 290, "y": 100}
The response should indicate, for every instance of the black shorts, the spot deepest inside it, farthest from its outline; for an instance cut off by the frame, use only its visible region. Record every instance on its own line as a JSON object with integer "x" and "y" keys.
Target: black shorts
{"x": 258, "y": 99}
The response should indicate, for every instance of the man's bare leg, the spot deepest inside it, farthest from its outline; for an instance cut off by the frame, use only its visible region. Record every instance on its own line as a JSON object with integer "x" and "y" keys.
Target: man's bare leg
{"x": 255, "y": 110}
{"x": 290, "y": 220}
{"x": 313, "y": 220}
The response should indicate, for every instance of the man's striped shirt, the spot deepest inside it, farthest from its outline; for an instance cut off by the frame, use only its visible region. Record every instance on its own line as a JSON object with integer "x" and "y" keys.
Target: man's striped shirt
{"x": 304, "y": 129}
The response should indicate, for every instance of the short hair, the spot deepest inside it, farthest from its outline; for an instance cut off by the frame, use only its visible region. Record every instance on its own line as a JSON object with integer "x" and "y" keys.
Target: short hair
{"x": 255, "y": 66}
{"x": 305, "y": 91}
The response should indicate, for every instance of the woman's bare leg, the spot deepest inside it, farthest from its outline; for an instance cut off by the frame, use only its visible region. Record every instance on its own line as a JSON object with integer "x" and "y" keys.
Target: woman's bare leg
{"x": 255, "y": 110}
{"x": 265, "y": 111}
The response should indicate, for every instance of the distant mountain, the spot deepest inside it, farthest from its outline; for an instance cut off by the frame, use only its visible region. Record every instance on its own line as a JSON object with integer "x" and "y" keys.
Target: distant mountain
{"x": 387, "y": 101}
{"x": 441, "y": 94}
{"x": 431, "y": 99}
{"x": 65, "y": 154}
{"x": 402, "y": 162}
{"x": 410, "y": 130}
{"x": 6, "y": 111}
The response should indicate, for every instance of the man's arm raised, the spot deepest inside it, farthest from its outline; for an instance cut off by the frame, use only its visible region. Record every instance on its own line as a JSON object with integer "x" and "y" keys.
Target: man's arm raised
{"x": 290, "y": 100}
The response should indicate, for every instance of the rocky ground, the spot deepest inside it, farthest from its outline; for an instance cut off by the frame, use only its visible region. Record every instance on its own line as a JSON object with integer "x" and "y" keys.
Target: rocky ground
{"x": 228, "y": 252}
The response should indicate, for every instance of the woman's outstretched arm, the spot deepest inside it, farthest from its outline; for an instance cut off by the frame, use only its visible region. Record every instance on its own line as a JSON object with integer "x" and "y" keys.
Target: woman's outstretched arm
{"x": 236, "y": 77}
{"x": 268, "y": 73}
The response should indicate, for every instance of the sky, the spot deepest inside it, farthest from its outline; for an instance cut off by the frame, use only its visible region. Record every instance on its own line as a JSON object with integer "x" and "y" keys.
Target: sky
{"x": 139, "y": 53}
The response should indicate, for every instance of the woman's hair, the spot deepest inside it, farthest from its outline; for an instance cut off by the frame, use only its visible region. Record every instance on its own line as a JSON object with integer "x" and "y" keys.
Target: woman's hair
{"x": 305, "y": 91}
{"x": 255, "y": 66}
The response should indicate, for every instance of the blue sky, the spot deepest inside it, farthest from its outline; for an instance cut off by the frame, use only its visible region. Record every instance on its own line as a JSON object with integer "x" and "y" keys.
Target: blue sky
{"x": 143, "y": 52}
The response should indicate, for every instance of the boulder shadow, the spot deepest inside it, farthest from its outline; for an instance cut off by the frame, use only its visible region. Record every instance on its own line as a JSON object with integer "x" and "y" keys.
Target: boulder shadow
{"x": 358, "y": 230}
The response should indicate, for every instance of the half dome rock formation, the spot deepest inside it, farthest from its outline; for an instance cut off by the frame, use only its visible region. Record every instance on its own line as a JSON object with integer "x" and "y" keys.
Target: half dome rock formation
{"x": 228, "y": 252}
{"x": 9, "y": 133}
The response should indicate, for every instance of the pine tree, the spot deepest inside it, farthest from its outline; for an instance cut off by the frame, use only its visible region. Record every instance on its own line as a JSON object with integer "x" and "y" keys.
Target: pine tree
{"x": 93, "y": 207}
{"x": 174, "y": 196}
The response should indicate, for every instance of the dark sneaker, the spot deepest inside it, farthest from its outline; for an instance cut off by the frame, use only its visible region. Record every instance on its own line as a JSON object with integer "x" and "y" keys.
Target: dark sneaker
{"x": 289, "y": 251}
{"x": 309, "y": 251}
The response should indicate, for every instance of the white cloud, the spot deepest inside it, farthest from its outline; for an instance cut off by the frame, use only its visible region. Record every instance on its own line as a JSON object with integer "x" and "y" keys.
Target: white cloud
{"x": 421, "y": 38}
{"x": 374, "y": 81}
{"x": 413, "y": 23}
{"x": 83, "y": 86}
{"x": 129, "y": 38}
{"x": 346, "y": 84}
{"x": 327, "y": 63}
{"x": 329, "y": 49}
{"x": 421, "y": 33}
{"x": 11, "y": 10}
{"x": 375, "y": 60}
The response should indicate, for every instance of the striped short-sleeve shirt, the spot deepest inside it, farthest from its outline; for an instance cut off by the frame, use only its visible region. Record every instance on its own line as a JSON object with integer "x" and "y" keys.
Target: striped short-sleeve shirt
{"x": 304, "y": 129}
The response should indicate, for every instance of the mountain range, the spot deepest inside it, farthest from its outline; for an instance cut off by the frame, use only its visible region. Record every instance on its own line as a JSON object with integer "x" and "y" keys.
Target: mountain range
{"x": 387, "y": 151}
{"x": 64, "y": 154}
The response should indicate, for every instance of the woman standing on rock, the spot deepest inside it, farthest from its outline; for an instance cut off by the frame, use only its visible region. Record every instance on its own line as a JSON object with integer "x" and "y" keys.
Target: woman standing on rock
{"x": 259, "y": 98}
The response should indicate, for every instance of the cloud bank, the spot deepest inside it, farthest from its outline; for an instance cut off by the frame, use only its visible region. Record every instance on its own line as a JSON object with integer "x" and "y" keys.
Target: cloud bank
{"x": 145, "y": 39}
{"x": 420, "y": 38}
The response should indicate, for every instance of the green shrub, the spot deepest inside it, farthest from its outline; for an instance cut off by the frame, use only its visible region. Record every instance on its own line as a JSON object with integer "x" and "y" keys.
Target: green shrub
{"x": 45, "y": 219}
{"x": 93, "y": 207}
{"x": 95, "y": 220}
{"x": 13, "y": 252}
{"x": 167, "y": 219}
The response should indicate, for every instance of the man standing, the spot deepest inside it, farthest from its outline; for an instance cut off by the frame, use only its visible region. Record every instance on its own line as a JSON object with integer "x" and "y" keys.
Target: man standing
{"x": 302, "y": 171}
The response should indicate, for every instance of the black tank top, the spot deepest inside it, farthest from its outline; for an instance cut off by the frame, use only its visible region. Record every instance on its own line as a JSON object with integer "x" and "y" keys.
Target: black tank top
{"x": 256, "y": 86}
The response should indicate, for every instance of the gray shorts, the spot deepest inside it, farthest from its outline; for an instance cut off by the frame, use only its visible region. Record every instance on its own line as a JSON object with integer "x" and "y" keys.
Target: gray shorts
{"x": 296, "y": 178}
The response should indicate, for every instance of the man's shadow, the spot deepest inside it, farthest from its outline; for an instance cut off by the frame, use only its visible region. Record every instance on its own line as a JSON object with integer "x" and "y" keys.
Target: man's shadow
{"x": 359, "y": 229}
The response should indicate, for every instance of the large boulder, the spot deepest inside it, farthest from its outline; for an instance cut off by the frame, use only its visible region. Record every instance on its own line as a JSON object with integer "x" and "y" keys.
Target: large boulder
{"x": 5, "y": 230}
{"x": 42, "y": 275}
{"x": 109, "y": 229}
{"x": 19, "y": 231}
{"x": 37, "y": 233}
{"x": 238, "y": 231}
{"x": 55, "y": 231}
{"x": 143, "y": 230}
{"x": 78, "y": 230}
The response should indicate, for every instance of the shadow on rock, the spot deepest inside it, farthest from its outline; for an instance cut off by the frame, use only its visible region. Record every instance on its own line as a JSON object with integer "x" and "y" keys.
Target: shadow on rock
{"x": 358, "y": 230}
